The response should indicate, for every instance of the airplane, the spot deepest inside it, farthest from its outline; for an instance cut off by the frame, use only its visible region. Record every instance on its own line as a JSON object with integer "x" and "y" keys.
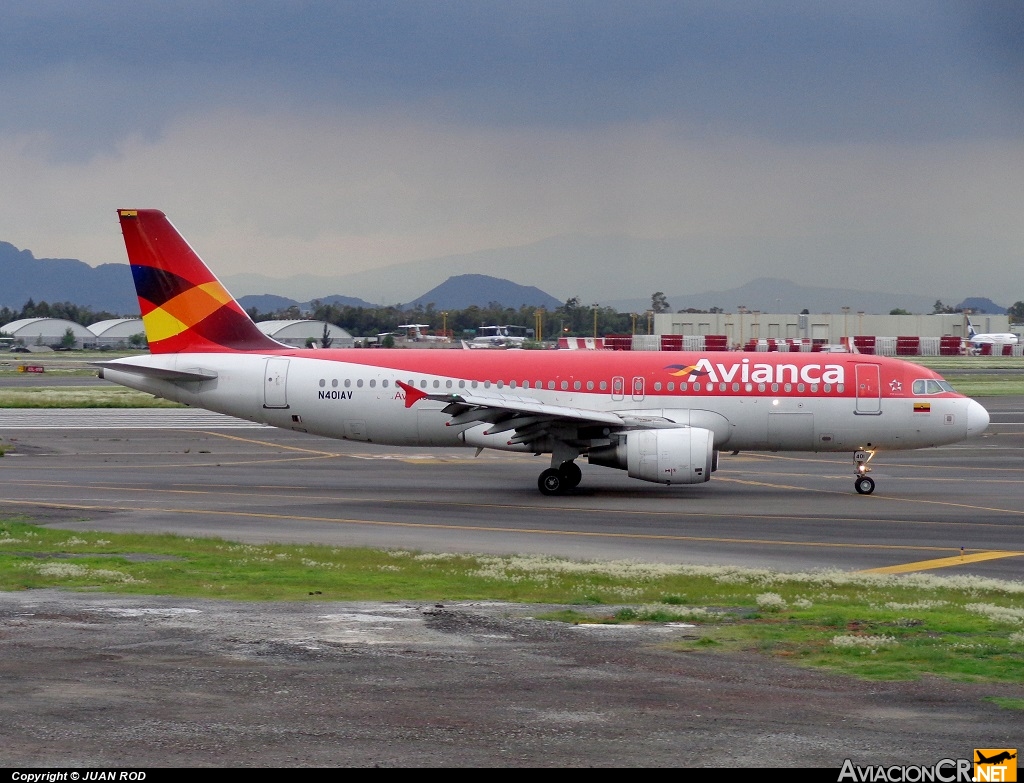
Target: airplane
{"x": 663, "y": 417}
{"x": 414, "y": 333}
{"x": 498, "y": 337}
{"x": 996, "y": 759}
{"x": 977, "y": 340}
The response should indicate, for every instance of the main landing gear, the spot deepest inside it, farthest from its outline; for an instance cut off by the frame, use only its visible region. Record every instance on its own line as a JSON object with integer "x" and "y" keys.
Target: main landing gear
{"x": 555, "y": 481}
{"x": 863, "y": 483}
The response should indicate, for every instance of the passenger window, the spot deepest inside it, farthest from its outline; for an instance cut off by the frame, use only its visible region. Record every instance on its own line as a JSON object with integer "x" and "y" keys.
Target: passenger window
{"x": 373, "y": 383}
{"x": 359, "y": 383}
{"x": 348, "y": 382}
{"x": 657, "y": 386}
{"x": 322, "y": 383}
{"x": 577, "y": 385}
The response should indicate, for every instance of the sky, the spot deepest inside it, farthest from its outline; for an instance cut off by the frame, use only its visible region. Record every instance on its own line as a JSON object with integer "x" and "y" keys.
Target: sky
{"x": 868, "y": 145}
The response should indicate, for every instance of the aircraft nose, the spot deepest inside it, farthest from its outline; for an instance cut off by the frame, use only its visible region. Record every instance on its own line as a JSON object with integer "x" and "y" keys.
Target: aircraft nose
{"x": 977, "y": 419}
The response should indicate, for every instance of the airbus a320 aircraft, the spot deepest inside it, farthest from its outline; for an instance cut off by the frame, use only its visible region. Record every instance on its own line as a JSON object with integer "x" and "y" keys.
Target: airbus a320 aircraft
{"x": 660, "y": 416}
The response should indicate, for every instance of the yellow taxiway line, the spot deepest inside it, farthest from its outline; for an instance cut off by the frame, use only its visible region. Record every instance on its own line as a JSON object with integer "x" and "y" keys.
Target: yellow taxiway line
{"x": 942, "y": 562}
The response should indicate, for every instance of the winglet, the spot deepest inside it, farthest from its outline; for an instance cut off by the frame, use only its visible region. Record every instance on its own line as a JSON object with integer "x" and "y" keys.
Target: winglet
{"x": 412, "y": 394}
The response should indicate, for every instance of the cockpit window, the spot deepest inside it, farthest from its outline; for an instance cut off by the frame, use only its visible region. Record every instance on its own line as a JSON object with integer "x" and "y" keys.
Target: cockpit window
{"x": 930, "y": 386}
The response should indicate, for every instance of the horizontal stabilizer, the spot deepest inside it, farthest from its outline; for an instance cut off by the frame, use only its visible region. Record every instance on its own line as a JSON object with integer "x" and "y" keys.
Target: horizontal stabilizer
{"x": 162, "y": 373}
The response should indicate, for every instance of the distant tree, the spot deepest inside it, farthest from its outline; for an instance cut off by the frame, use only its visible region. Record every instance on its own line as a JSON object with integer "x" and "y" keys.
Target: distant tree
{"x": 659, "y": 304}
{"x": 940, "y": 309}
{"x": 325, "y": 338}
{"x": 899, "y": 311}
{"x": 68, "y": 340}
{"x": 388, "y": 341}
{"x": 716, "y": 309}
{"x": 1016, "y": 312}
{"x": 805, "y": 311}
{"x": 137, "y": 340}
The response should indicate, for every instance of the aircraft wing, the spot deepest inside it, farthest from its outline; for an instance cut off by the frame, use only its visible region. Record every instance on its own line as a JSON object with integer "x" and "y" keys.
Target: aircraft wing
{"x": 530, "y": 418}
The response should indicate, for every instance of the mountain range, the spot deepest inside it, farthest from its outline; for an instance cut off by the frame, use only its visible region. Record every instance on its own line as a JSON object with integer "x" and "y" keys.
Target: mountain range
{"x": 23, "y": 276}
{"x": 109, "y": 287}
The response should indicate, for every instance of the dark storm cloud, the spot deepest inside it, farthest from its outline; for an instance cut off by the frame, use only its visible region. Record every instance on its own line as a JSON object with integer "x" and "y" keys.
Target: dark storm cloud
{"x": 90, "y": 73}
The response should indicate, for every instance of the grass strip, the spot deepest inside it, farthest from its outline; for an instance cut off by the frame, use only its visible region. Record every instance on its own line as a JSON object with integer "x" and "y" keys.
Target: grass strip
{"x": 873, "y": 626}
{"x": 80, "y": 397}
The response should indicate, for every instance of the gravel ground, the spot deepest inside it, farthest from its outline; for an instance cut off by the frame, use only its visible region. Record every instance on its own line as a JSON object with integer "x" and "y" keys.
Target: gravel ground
{"x": 103, "y": 680}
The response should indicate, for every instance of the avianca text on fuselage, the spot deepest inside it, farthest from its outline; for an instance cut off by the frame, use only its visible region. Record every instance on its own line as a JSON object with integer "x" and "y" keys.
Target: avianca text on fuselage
{"x": 759, "y": 372}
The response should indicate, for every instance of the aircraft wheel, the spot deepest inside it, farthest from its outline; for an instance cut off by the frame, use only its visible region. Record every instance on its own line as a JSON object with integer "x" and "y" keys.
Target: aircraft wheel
{"x": 571, "y": 473}
{"x": 864, "y": 485}
{"x": 552, "y": 482}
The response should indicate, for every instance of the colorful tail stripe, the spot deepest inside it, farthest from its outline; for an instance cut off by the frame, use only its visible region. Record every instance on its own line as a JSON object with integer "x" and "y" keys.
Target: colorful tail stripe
{"x": 184, "y": 306}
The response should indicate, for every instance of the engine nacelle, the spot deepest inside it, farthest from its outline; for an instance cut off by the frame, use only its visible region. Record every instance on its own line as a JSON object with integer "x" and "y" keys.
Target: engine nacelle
{"x": 676, "y": 456}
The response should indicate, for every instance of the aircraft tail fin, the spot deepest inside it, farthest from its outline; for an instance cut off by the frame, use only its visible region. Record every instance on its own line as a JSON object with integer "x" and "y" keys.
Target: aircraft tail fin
{"x": 971, "y": 331}
{"x": 185, "y": 308}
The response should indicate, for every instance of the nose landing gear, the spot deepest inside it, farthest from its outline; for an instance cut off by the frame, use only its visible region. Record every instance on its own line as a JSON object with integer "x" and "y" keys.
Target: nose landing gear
{"x": 863, "y": 483}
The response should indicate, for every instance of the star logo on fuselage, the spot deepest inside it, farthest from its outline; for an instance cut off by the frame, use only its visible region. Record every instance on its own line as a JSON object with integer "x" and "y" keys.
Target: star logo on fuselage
{"x": 895, "y": 386}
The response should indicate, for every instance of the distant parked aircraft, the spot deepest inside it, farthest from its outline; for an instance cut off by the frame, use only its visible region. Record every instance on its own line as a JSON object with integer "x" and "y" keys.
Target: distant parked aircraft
{"x": 976, "y": 339}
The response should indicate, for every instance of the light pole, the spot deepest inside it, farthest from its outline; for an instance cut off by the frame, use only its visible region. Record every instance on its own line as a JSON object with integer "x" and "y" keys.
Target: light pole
{"x": 846, "y": 332}
{"x": 650, "y": 317}
{"x": 595, "y": 306}
{"x": 742, "y": 310}
{"x": 633, "y": 316}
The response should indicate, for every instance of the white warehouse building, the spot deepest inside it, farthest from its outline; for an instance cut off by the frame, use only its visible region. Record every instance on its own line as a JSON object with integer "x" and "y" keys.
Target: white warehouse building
{"x": 38, "y": 332}
{"x": 116, "y": 332}
{"x": 298, "y": 333}
{"x": 741, "y": 327}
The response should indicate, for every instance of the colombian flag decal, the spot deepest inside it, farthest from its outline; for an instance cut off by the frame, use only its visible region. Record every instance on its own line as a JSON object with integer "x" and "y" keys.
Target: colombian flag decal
{"x": 922, "y": 407}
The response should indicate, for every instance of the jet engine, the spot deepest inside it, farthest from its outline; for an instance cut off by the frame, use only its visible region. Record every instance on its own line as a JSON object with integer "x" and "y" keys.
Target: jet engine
{"x": 670, "y": 456}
